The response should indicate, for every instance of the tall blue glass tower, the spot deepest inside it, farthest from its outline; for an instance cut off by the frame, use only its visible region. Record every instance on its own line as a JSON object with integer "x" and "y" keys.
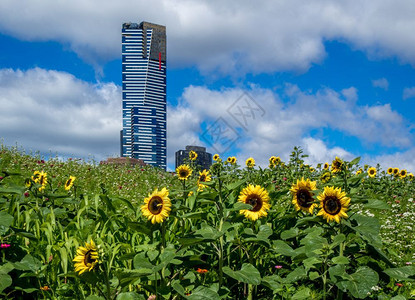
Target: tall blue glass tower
{"x": 144, "y": 93}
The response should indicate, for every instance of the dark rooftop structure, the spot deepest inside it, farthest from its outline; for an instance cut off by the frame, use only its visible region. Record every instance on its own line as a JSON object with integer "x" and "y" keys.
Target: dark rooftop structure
{"x": 204, "y": 159}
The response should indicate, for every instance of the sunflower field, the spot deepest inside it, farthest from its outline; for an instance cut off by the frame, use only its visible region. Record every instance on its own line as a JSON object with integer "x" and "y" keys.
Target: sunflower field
{"x": 82, "y": 230}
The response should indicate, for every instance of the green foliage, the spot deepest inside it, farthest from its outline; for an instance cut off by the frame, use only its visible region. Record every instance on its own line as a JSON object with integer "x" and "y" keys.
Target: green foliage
{"x": 205, "y": 248}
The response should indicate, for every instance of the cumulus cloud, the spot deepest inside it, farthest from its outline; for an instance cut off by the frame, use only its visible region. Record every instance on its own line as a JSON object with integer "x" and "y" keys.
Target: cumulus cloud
{"x": 277, "y": 126}
{"x": 51, "y": 111}
{"x": 408, "y": 93}
{"x": 223, "y": 36}
{"x": 382, "y": 83}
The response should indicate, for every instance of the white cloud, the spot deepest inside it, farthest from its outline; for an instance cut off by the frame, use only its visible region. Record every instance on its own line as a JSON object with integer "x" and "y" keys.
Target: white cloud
{"x": 381, "y": 83}
{"x": 285, "y": 125}
{"x": 45, "y": 110}
{"x": 224, "y": 36}
{"x": 408, "y": 93}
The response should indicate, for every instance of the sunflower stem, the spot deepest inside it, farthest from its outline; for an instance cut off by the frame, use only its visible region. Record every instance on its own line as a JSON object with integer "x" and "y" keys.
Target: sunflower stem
{"x": 107, "y": 283}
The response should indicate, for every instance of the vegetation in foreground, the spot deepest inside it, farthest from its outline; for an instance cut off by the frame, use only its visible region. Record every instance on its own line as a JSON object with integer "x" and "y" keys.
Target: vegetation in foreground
{"x": 81, "y": 230}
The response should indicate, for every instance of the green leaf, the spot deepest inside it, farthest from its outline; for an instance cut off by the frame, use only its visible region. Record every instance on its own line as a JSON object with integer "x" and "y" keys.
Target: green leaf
{"x": 24, "y": 233}
{"x": 140, "y": 227}
{"x": 5, "y": 281}
{"x": 203, "y": 293}
{"x": 313, "y": 275}
{"x": 361, "y": 282}
{"x": 178, "y": 288}
{"x": 355, "y": 161}
{"x": 311, "y": 262}
{"x": 398, "y": 297}
{"x": 337, "y": 240}
{"x": 5, "y": 219}
{"x": 272, "y": 282}
{"x": 235, "y": 185}
{"x": 340, "y": 260}
{"x": 140, "y": 261}
{"x": 248, "y": 274}
{"x": 282, "y": 248}
{"x": 30, "y": 263}
{"x": 130, "y": 296}
{"x": 240, "y": 206}
{"x": 402, "y": 273}
{"x": 94, "y": 297}
{"x": 288, "y": 234}
{"x": 304, "y": 293}
{"x": 296, "y": 275}
{"x": 377, "y": 204}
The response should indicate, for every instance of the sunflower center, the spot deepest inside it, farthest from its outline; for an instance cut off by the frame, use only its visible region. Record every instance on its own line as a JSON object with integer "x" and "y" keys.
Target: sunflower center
{"x": 155, "y": 205}
{"x": 88, "y": 260}
{"x": 304, "y": 198}
{"x": 183, "y": 173}
{"x": 332, "y": 205}
{"x": 68, "y": 183}
{"x": 255, "y": 201}
{"x": 202, "y": 178}
{"x": 42, "y": 180}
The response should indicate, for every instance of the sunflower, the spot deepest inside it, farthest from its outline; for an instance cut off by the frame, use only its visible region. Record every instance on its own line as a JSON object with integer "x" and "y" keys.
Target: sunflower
{"x": 390, "y": 171}
{"x": 192, "y": 155}
{"x": 69, "y": 182}
{"x": 156, "y": 206}
{"x": 229, "y": 159}
{"x": 233, "y": 160}
{"x": 312, "y": 169}
{"x": 395, "y": 171}
{"x": 204, "y": 176}
{"x": 40, "y": 178}
{"x": 303, "y": 195}
{"x": 325, "y": 177}
{"x": 411, "y": 176}
{"x": 183, "y": 171}
{"x": 250, "y": 162}
{"x": 333, "y": 203}
{"x": 258, "y": 198}
{"x": 86, "y": 258}
{"x": 216, "y": 157}
{"x": 371, "y": 172}
{"x": 402, "y": 174}
{"x": 272, "y": 160}
{"x": 360, "y": 171}
{"x": 326, "y": 166}
{"x": 337, "y": 165}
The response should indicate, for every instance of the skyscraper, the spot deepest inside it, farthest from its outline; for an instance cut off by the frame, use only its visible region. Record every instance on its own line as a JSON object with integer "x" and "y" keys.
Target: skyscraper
{"x": 144, "y": 93}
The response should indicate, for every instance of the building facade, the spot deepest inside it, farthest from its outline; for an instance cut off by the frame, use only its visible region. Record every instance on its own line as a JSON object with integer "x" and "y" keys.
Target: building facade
{"x": 144, "y": 93}
{"x": 204, "y": 159}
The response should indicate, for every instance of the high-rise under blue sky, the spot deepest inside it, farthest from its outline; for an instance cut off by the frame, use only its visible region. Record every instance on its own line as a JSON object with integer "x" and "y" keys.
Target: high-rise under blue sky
{"x": 335, "y": 78}
{"x": 144, "y": 93}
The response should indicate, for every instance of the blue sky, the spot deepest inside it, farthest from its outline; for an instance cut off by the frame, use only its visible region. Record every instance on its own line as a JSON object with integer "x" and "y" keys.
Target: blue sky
{"x": 333, "y": 78}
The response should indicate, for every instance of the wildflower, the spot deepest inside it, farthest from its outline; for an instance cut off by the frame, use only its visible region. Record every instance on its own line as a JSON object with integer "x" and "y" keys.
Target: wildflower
{"x": 303, "y": 195}
{"x": 40, "y": 178}
{"x": 26, "y": 194}
{"x": 192, "y": 155}
{"x": 333, "y": 203}
{"x": 284, "y": 178}
{"x": 371, "y": 172}
{"x": 44, "y": 288}
{"x": 69, "y": 183}
{"x": 398, "y": 284}
{"x": 4, "y": 246}
{"x": 201, "y": 271}
{"x": 86, "y": 258}
{"x": 278, "y": 267}
{"x": 183, "y": 171}
{"x": 337, "y": 165}
{"x": 203, "y": 177}
{"x": 250, "y": 162}
{"x": 258, "y": 198}
{"x": 157, "y": 206}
